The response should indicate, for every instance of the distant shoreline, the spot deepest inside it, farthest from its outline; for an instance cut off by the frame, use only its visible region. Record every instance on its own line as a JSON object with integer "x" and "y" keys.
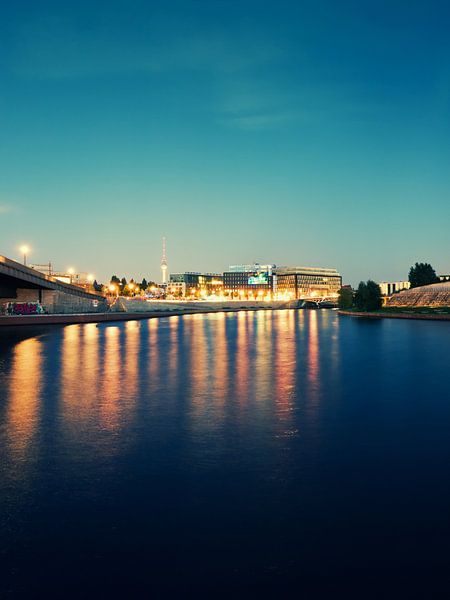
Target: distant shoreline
{"x": 396, "y": 315}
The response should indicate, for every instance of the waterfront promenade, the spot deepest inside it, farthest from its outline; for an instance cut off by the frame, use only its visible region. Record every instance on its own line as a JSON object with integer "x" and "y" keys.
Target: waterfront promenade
{"x": 130, "y": 310}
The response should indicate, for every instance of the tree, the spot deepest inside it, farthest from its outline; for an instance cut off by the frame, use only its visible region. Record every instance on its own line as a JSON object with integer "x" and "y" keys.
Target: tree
{"x": 144, "y": 284}
{"x": 368, "y": 296}
{"x": 97, "y": 286}
{"x": 345, "y": 300}
{"x": 422, "y": 274}
{"x": 360, "y": 296}
{"x": 115, "y": 279}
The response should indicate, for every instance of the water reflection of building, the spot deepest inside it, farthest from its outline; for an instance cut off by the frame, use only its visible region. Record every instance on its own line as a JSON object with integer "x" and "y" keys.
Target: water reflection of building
{"x": 242, "y": 366}
{"x": 78, "y": 378}
{"x": 131, "y": 362}
{"x": 285, "y": 370}
{"x": 25, "y": 386}
{"x": 313, "y": 357}
{"x": 200, "y": 371}
{"x": 220, "y": 376}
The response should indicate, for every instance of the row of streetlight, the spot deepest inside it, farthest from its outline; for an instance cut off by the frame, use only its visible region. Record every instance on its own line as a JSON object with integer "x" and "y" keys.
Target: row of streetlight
{"x": 25, "y": 250}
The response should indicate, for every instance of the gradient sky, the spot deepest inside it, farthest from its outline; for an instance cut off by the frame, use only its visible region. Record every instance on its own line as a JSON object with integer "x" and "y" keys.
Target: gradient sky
{"x": 308, "y": 132}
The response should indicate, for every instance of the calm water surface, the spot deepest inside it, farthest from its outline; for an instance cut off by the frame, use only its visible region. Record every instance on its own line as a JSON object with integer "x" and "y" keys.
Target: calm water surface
{"x": 226, "y": 453}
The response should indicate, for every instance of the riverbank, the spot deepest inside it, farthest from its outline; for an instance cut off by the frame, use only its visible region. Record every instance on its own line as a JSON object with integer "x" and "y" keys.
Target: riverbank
{"x": 162, "y": 310}
{"x": 427, "y": 316}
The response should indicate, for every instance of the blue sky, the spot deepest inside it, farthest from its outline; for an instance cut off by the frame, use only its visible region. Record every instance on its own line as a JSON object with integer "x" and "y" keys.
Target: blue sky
{"x": 308, "y": 132}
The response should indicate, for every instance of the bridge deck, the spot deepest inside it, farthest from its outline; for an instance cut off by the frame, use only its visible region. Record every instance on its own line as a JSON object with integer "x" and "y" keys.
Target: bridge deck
{"x": 17, "y": 275}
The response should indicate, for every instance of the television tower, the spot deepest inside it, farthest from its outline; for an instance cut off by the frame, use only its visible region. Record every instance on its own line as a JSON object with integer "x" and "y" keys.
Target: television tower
{"x": 164, "y": 262}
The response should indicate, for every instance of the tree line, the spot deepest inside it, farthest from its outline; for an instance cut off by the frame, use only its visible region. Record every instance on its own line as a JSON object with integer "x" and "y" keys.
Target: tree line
{"x": 367, "y": 297}
{"x": 124, "y": 287}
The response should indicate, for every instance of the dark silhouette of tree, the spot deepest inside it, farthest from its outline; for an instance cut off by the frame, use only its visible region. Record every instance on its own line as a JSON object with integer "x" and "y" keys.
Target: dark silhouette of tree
{"x": 345, "y": 300}
{"x": 123, "y": 282}
{"x": 144, "y": 284}
{"x": 115, "y": 279}
{"x": 97, "y": 286}
{"x": 368, "y": 296}
{"x": 422, "y": 274}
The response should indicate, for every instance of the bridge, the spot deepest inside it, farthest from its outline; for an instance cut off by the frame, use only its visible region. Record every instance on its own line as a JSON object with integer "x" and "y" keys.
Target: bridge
{"x": 19, "y": 283}
{"x": 320, "y": 301}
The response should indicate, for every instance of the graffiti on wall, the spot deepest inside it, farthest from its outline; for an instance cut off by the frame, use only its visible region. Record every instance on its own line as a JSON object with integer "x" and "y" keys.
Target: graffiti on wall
{"x": 23, "y": 308}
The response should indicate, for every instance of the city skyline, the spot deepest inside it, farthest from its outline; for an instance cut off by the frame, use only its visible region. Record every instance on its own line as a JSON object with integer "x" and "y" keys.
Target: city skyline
{"x": 293, "y": 134}
{"x": 160, "y": 278}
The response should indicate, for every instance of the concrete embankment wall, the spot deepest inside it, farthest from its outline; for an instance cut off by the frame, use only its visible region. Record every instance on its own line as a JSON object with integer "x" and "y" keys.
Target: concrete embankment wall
{"x": 56, "y": 302}
{"x": 388, "y": 315}
{"x": 175, "y": 309}
{"x": 138, "y": 306}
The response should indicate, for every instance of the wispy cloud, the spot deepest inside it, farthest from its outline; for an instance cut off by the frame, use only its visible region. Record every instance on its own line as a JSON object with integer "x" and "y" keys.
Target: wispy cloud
{"x": 57, "y": 48}
{"x": 5, "y": 208}
{"x": 251, "y": 104}
{"x": 257, "y": 122}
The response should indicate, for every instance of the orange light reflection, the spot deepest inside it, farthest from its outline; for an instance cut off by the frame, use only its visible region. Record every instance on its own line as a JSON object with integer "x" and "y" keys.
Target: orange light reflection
{"x": 25, "y": 386}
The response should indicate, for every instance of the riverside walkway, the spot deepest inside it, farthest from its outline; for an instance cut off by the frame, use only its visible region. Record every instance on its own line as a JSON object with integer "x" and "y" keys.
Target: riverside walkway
{"x": 152, "y": 310}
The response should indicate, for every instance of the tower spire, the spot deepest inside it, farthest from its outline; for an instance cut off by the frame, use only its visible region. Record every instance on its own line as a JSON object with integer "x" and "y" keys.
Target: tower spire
{"x": 164, "y": 261}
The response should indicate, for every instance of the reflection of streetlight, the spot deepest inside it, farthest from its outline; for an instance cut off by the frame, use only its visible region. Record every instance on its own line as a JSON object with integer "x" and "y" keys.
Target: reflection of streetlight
{"x": 24, "y": 250}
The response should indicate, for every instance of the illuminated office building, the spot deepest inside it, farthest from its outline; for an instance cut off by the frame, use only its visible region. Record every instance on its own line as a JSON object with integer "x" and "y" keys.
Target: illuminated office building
{"x": 307, "y": 282}
{"x": 248, "y": 281}
{"x": 195, "y": 284}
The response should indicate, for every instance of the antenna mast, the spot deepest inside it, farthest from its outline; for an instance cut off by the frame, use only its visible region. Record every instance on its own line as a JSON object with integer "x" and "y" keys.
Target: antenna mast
{"x": 164, "y": 262}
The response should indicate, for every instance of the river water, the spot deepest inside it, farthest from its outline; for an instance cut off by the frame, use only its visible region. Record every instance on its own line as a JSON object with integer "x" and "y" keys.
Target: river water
{"x": 286, "y": 451}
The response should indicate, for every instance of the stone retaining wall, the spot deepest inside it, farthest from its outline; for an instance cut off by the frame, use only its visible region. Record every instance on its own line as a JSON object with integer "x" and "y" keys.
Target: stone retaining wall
{"x": 388, "y": 315}
{"x": 56, "y": 302}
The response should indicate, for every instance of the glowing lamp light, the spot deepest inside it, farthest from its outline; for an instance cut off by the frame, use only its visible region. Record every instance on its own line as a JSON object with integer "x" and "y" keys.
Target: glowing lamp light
{"x": 24, "y": 249}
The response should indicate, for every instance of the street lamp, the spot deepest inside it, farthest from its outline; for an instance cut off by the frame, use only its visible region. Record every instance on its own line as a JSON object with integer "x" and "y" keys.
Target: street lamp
{"x": 71, "y": 272}
{"x": 24, "y": 250}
